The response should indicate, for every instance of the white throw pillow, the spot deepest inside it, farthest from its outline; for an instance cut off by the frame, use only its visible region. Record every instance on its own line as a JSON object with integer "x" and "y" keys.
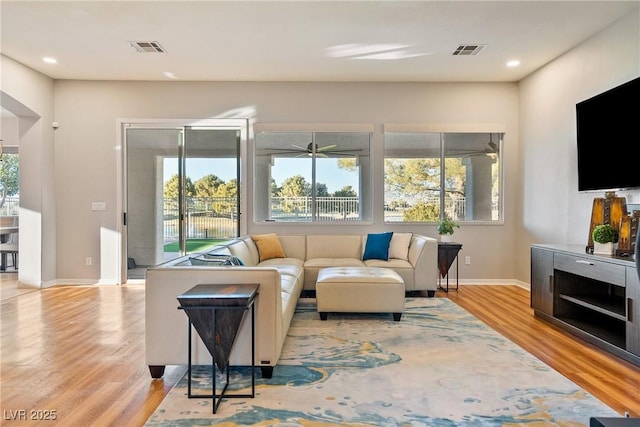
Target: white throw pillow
{"x": 399, "y": 246}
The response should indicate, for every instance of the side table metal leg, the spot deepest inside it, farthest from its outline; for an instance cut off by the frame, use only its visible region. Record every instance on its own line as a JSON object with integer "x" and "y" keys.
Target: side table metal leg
{"x": 189, "y": 394}
{"x": 457, "y": 260}
{"x": 253, "y": 351}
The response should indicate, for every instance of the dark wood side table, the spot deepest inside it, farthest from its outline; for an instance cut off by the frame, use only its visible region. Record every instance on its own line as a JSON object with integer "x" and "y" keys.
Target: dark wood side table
{"x": 216, "y": 313}
{"x": 447, "y": 253}
{"x": 614, "y": 422}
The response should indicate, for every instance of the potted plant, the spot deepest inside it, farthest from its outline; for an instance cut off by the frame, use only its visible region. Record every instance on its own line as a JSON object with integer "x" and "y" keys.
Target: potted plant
{"x": 604, "y": 237}
{"x": 446, "y": 228}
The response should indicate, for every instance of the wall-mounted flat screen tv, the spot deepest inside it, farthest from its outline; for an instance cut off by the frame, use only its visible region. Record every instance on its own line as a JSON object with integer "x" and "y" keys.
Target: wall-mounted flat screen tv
{"x": 608, "y": 135}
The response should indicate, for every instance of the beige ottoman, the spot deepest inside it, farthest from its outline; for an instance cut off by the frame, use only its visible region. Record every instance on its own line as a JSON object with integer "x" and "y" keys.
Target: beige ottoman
{"x": 359, "y": 290}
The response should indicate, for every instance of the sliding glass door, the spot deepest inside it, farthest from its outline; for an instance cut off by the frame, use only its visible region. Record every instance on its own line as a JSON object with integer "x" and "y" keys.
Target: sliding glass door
{"x": 182, "y": 191}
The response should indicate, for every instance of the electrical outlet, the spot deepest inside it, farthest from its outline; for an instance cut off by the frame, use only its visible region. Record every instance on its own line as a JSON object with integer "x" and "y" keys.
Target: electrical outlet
{"x": 87, "y": 260}
{"x": 467, "y": 260}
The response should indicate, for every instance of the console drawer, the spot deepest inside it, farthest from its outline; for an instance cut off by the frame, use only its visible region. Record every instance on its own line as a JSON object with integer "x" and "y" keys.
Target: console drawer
{"x": 591, "y": 268}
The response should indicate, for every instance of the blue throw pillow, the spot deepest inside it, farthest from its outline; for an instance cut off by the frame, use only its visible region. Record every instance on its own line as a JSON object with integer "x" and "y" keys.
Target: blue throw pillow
{"x": 377, "y": 246}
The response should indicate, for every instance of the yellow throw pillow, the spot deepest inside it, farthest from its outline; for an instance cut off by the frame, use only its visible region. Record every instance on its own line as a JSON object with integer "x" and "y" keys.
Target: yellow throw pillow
{"x": 268, "y": 246}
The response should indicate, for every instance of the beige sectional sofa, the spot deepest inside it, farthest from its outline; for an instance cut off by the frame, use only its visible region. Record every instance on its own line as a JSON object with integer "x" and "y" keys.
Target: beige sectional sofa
{"x": 287, "y": 272}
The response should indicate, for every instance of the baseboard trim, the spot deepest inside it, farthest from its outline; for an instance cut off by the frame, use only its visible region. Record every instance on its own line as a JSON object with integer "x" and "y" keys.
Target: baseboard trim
{"x": 77, "y": 282}
{"x": 493, "y": 282}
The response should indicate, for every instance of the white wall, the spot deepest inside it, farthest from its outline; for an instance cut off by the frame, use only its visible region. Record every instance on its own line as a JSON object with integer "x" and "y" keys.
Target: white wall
{"x": 29, "y": 95}
{"x": 552, "y": 210}
{"x": 86, "y": 152}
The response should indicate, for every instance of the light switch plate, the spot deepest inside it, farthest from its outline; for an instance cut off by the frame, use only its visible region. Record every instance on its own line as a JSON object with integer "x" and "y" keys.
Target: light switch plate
{"x": 99, "y": 206}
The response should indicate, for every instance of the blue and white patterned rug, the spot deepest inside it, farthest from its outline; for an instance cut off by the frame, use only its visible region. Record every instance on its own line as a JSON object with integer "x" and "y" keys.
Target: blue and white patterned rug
{"x": 438, "y": 366}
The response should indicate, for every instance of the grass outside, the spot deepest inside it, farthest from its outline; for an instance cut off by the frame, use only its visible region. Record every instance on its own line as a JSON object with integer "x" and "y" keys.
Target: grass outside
{"x": 194, "y": 245}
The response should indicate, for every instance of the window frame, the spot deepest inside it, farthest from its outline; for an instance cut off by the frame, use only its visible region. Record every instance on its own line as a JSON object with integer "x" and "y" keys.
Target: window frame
{"x": 494, "y": 131}
{"x": 262, "y": 214}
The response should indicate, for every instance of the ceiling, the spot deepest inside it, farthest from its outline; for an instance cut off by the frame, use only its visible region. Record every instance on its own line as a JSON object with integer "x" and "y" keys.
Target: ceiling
{"x": 392, "y": 41}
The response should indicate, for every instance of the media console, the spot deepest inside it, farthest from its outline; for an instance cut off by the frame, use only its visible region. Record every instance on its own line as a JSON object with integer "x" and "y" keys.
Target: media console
{"x": 594, "y": 297}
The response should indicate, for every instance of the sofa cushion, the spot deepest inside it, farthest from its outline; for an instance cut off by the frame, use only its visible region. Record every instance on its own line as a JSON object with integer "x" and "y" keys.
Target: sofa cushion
{"x": 288, "y": 284}
{"x": 392, "y": 263}
{"x": 214, "y": 260}
{"x": 333, "y": 262}
{"x": 334, "y": 246}
{"x": 239, "y": 248}
{"x": 268, "y": 246}
{"x": 295, "y": 246}
{"x": 313, "y": 266}
{"x": 253, "y": 249}
{"x": 399, "y": 246}
{"x": 282, "y": 263}
{"x": 286, "y": 266}
{"x": 377, "y": 246}
{"x": 219, "y": 250}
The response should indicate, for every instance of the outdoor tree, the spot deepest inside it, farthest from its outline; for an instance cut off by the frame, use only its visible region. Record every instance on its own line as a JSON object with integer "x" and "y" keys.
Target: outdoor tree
{"x": 412, "y": 179}
{"x": 421, "y": 212}
{"x": 417, "y": 182}
{"x": 224, "y": 198}
{"x": 348, "y": 164}
{"x": 295, "y": 189}
{"x": 346, "y": 191}
{"x": 274, "y": 187}
{"x": 9, "y": 177}
{"x": 346, "y": 206}
{"x": 171, "y": 186}
{"x": 207, "y": 186}
{"x": 227, "y": 189}
{"x": 295, "y": 186}
{"x": 322, "y": 190}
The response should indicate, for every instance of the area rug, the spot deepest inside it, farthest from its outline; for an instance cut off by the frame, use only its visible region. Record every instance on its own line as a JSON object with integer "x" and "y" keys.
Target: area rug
{"x": 438, "y": 366}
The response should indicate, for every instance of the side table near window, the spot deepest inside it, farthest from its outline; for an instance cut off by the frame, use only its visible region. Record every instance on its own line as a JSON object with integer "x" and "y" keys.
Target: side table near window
{"x": 216, "y": 312}
{"x": 447, "y": 253}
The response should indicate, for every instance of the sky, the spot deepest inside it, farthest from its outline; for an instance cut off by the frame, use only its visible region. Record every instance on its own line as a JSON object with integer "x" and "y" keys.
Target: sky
{"x": 328, "y": 171}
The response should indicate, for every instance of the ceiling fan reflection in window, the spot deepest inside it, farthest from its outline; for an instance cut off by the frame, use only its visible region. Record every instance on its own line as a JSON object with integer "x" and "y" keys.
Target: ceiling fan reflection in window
{"x": 488, "y": 148}
{"x": 324, "y": 151}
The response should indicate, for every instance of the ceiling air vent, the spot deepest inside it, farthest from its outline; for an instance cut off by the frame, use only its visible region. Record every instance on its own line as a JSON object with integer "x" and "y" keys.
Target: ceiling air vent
{"x": 468, "y": 49}
{"x": 153, "y": 47}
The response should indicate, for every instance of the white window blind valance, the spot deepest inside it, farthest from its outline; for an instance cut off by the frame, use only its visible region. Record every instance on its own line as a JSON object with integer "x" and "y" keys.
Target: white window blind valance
{"x": 313, "y": 127}
{"x": 444, "y": 127}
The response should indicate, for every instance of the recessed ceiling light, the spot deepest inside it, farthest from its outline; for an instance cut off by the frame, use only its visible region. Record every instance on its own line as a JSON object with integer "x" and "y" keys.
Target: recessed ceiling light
{"x": 50, "y": 60}
{"x": 513, "y": 63}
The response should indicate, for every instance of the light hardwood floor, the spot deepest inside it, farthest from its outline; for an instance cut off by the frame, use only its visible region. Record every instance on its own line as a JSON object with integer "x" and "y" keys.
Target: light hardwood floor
{"x": 9, "y": 285}
{"x": 78, "y": 352}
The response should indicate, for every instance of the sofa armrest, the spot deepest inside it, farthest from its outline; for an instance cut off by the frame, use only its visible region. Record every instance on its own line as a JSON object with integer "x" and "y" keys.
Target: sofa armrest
{"x": 166, "y": 335}
{"x": 423, "y": 255}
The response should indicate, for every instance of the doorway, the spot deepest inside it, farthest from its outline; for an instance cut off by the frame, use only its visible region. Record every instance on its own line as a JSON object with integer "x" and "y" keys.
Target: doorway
{"x": 182, "y": 190}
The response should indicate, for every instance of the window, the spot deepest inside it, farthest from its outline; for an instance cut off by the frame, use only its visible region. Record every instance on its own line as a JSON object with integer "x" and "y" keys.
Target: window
{"x": 9, "y": 180}
{"x": 431, "y": 175}
{"x": 303, "y": 176}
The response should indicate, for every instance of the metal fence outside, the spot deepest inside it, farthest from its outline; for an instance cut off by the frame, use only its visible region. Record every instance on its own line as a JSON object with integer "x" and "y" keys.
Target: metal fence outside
{"x": 206, "y": 218}
{"x": 10, "y": 207}
{"x": 216, "y": 217}
{"x": 326, "y": 208}
{"x": 454, "y": 209}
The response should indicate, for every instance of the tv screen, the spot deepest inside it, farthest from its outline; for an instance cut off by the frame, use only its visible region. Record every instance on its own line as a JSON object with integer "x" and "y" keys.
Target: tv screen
{"x": 608, "y": 135}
